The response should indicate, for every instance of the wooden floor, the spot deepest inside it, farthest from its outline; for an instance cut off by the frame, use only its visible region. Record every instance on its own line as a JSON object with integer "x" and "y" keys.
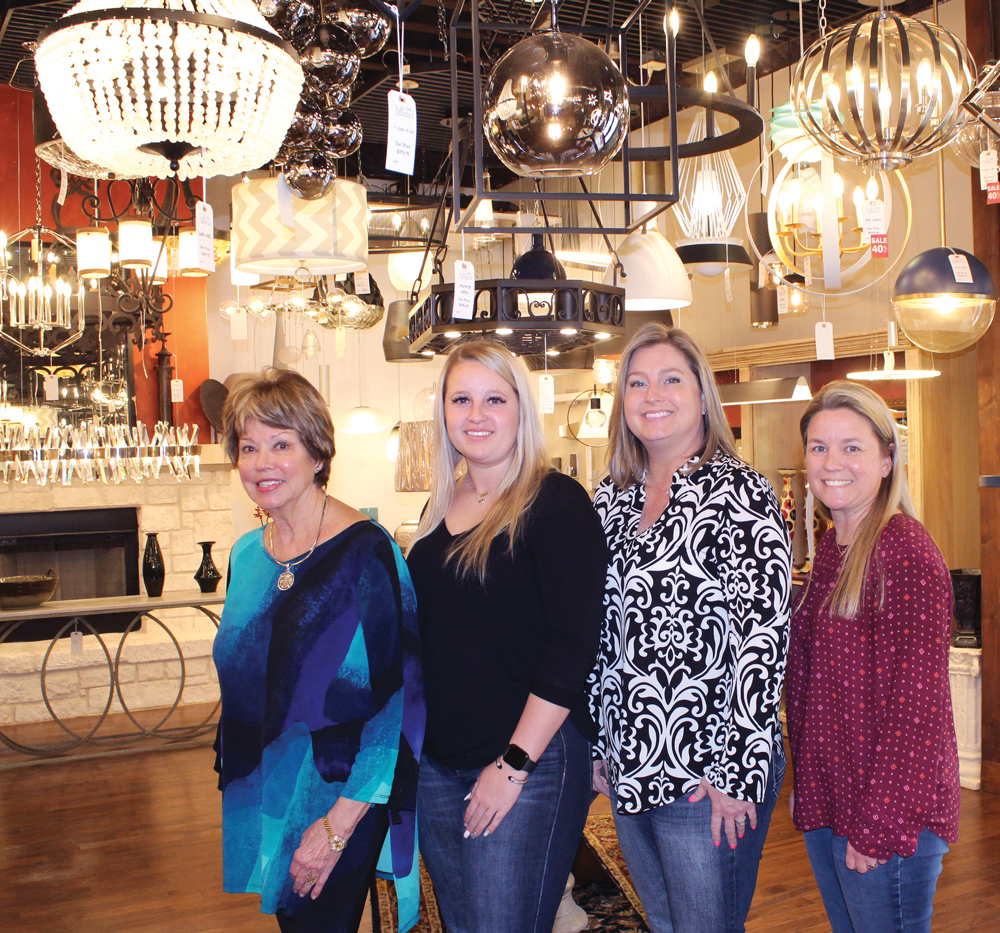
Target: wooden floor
{"x": 132, "y": 843}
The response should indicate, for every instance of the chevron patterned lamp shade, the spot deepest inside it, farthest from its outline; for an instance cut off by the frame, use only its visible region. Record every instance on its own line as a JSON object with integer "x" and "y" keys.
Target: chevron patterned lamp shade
{"x": 328, "y": 235}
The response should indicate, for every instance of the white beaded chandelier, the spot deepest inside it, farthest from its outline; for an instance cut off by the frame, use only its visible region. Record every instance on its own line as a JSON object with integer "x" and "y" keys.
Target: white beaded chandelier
{"x": 154, "y": 87}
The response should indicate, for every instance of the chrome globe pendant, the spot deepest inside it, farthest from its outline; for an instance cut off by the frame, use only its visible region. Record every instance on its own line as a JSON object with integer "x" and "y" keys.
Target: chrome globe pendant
{"x": 199, "y": 87}
{"x": 555, "y": 105}
{"x": 369, "y": 26}
{"x": 891, "y": 89}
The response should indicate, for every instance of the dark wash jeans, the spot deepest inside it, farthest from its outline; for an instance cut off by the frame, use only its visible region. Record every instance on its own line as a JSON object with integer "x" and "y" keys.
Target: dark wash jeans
{"x": 512, "y": 880}
{"x": 897, "y": 897}
{"x": 686, "y": 883}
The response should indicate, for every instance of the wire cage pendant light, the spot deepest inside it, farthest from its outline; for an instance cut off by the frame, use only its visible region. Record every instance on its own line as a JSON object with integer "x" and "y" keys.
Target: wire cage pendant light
{"x": 204, "y": 87}
{"x": 891, "y": 89}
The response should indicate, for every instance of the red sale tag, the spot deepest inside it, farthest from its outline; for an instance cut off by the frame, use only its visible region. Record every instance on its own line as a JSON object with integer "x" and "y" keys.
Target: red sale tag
{"x": 880, "y": 245}
{"x": 993, "y": 194}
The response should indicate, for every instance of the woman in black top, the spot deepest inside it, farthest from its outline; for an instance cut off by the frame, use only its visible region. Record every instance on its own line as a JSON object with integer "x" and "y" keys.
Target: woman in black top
{"x": 508, "y": 564}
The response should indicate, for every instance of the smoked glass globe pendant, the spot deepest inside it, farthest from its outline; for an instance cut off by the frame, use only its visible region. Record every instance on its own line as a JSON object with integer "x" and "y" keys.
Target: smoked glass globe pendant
{"x": 555, "y": 106}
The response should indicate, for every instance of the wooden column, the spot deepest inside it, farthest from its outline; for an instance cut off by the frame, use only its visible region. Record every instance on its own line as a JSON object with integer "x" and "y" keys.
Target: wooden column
{"x": 980, "y": 29}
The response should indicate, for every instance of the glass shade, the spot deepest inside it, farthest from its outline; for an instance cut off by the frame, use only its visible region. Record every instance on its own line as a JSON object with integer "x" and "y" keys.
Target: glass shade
{"x": 937, "y": 313}
{"x": 135, "y": 244}
{"x": 975, "y": 137}
{"x": 406, "y": 268}
{"x": 555, "y": 105}
{"x": 187, "y": 254}
{"x": 93, "y": 253}
{"x": 655, "y": 279}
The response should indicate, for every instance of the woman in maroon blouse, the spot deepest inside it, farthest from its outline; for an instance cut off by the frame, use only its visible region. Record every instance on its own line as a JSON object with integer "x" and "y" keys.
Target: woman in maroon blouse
{"x": 868, "y": 698}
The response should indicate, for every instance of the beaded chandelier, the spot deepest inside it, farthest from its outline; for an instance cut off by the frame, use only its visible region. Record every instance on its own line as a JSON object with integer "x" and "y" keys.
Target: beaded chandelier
{"x": 204, "y": 87}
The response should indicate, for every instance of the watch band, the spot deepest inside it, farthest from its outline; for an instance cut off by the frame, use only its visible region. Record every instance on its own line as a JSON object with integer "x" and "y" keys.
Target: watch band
{"x": 518, "y": 759}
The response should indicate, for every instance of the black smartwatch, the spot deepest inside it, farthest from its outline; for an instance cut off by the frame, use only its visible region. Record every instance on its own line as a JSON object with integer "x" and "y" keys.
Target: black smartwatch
{"x": 518, "y": 759}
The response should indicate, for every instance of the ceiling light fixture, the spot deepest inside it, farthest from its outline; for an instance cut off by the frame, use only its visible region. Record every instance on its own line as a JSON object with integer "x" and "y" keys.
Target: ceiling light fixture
{"x": 765, "y": 391}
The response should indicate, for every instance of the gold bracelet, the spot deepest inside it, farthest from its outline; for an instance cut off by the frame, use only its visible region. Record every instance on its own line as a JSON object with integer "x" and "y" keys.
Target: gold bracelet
{"x": 336, "y": 843}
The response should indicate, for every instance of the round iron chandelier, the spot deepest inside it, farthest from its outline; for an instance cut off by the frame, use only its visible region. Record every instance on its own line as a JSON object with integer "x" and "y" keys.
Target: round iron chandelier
{"x": 891, "y": 89}
{"x": 204, "y": 87}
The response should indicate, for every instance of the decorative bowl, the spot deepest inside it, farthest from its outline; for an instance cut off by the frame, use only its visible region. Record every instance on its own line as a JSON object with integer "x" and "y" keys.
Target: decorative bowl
{"x": 23, "y": 592}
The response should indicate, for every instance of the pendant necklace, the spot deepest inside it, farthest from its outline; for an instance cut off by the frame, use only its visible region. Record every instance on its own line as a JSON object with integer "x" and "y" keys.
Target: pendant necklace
{"x": 479, "y": 498}
{"x": 287, "y": 578}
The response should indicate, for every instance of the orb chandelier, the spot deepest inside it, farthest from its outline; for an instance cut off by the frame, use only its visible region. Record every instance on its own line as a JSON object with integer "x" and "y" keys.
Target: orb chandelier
{"x": 938, "y": 312}
{"x": 193, "y": 87}
{"x": 555, "y": 105}
{"x": 891, "y": 86}
{"x": 712, "y": 196}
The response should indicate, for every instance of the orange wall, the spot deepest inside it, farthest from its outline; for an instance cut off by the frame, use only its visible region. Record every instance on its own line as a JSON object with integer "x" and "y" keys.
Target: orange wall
{"x": 187, "y": 321}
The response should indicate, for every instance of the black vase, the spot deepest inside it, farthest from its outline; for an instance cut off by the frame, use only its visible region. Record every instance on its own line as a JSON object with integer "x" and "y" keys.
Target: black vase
{"x": 153, "y": 571}
{"x": 208, "y": 575}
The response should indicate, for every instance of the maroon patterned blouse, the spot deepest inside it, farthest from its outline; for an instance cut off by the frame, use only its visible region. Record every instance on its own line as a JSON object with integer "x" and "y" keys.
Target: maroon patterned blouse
{"x": 869, "y": 700}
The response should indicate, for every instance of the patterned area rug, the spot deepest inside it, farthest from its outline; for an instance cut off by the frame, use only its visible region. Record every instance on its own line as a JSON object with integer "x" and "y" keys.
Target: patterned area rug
{"x": 610, "y": 902}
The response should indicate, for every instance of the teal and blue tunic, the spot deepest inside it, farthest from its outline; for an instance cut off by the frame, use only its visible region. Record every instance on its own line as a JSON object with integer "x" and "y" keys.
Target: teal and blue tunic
{"x": 321, "y": 697}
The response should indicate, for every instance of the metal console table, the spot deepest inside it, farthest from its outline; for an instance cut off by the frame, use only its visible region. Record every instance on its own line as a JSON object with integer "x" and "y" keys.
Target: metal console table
{"x": 79, "y": 610}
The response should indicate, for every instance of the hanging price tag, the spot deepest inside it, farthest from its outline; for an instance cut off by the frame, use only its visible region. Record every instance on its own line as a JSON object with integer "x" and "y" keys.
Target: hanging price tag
{"x": 729, "y": 286}
{"x": 807, "y": 270}
{"x": 762, "y": 274}
{"x": 988, "y": 169}
{"x": 960, "y": 268}
{"x": 63, "y": 186}
{"x": 176, "y": 390}
{"x": 51, "y": 388}
{"x": 464, "y": 308}
{"x": 286, "y": 213}
{"x": 824, "y": 341}
{"x": 76, "y": 643}
{"x": 993, "y": 194}
{"x": 546, "y": 395}
{"x": 362, "y": 283}
{"x": 872, "y": 220}
{"x": 204, "y": 226}
{"x": 341, "y": 342}
{"x": 880, "y": 245}
{"x": 401, "y": 145}
{"x": 238, "y": 324}
{"x": 765, "y": 175}
{"x": 782, "y": 299}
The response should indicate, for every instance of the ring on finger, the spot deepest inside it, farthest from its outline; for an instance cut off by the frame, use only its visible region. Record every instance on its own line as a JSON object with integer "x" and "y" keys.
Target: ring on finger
{"x": 312, "y": 878}
{"x": 741, "y": 821}
{"x": 873, "y": 864}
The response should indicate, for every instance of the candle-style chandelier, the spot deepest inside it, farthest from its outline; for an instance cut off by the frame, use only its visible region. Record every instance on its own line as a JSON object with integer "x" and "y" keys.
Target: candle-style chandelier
{"x": 108, "y": 454}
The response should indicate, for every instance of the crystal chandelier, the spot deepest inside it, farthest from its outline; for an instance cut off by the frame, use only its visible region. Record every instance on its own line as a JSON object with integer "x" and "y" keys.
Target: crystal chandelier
{"x": 891, "y": 87}
{"x": 193, "y": 87}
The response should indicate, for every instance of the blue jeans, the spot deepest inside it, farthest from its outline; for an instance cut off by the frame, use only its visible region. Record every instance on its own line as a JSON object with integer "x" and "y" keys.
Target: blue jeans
{"x": 512, "y": 880}
{"x": 897, "y": 897}
{"x": 686, "y": 883}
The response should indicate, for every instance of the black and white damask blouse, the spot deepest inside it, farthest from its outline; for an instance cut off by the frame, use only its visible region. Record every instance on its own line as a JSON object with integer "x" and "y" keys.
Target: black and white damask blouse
{"x": 692, "y": 657}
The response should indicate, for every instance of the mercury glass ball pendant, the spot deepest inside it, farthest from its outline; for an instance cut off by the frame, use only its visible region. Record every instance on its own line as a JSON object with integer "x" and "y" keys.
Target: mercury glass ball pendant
{"x": 555, "y": 105}
{"x": 343, "y": 131}
{"x": 332, "y": 56}
{"x": 369, "y": 27}
{"x": 311, "y": 174}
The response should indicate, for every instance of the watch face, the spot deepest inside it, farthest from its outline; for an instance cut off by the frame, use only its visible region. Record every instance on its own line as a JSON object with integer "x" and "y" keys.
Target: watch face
{"x": 516, "y": 757}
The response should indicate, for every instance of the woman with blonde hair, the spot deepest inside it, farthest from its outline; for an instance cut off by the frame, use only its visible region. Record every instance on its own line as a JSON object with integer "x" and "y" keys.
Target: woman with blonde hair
{"x": 508, "y": 564}
{"x": 692, "y": 656}
{"x": 869, "y": 706}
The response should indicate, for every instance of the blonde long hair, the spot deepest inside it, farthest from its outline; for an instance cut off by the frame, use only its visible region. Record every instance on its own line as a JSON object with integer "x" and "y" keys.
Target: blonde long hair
{"x": 521, "y": 481}
{"x": 628, "y": 459}
{"x": 893, "y": 494}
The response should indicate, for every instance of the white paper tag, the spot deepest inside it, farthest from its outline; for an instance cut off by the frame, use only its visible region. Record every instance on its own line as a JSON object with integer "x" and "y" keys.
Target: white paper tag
{"x": 727, "y": 279}
{"x": 401, "y": 145}
{"x": 76, "y": 643}
{"x": 807, "y": 270}
{"x": 464, "y": 308}
{"x": 238, "y": 324}
{"x": 341, "y": 342}
{"x": 64, "y": 185}
{"x": 960, "y": 267}
{"x": 824, "y": 341}
{"x": 51, "y": 388}
{"x": 546, "y": 395}
{"x": 761, "y": 274}
{"x": 765, "y": 174}
{"x": 286, "y": 213}
{"x": 204, "y": 225}
{"x": 176, "y": 390}
{"x": 873, "y": 220}
{"x": 988, "y": 169}
{"x": 362, "y": 283}
{"x": 782, "y": 299}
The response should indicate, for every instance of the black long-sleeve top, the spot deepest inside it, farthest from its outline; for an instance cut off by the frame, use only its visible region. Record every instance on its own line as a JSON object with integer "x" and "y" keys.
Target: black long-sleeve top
{"x": 533, "y": 626}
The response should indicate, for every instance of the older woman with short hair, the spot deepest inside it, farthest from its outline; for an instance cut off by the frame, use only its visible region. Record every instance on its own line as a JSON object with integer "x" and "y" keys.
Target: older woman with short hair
{"x": 317, "y": 653}
{"x": 689, "y": 676}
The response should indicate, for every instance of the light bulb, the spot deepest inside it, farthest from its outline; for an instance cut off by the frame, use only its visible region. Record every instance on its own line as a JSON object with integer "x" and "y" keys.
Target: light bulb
{"x": 554, "y": 131}
{"x": 924, "y": 75}
{"x": 833, "y": 96}
{"x": 871, "y": 189}
{"x": 672, "y": 22}
{"x": 858, "y": 198}
{"x": 227, "y": 309}
{"x": 838, "y": 185}
{"x": 751, "y": 52}
{"x": 711, "y": 82}
{"x": 595, "y": 418}
{"x": 557, "y": 88}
